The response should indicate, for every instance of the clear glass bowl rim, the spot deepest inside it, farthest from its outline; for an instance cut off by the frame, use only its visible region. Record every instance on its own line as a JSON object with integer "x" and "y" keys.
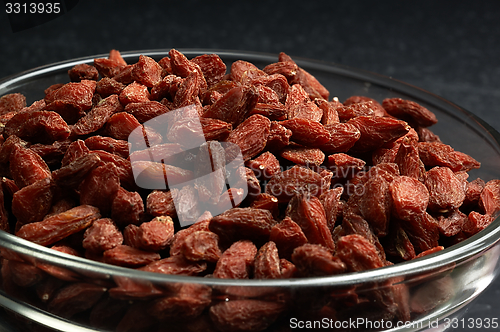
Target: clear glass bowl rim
{"x": 449, "y": 257}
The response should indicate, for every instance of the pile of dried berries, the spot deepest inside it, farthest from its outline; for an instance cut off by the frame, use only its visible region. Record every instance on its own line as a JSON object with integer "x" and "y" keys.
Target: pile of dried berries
{"x": 326, "y": 188}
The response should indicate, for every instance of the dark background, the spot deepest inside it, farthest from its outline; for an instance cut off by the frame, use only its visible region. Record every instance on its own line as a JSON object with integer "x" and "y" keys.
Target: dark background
{"x": 451, "y": 48}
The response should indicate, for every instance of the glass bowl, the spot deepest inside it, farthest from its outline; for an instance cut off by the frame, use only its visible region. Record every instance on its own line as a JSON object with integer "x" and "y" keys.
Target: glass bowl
{"x": 436, "y": 287}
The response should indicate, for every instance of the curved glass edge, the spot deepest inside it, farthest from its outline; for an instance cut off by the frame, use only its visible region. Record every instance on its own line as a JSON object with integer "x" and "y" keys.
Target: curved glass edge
{"x": 453, "y": 309}
{"x": 457, "y": 253}
{"x": 461, "y": 252}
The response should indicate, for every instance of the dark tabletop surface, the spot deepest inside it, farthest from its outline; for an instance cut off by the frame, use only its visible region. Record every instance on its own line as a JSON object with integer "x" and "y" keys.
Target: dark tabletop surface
{"x": 450, "y": 48}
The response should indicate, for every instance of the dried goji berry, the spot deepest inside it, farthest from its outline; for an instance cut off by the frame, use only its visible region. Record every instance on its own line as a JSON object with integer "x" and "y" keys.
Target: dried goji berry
{"x": 189, "y": 90}
{"x": 127, "y": 207}
{"x": 33, "y": 202}
{"x": 244, "y": 177}
{"x": 344, "y": 165}
{"x": 187, "y": 303}
{"x": 307, "y": 132}
{"x": 182, "y": 67}
{"x": 476, "y": 222}
{"x": 312, "y": 260}
{"x": 410, "y": 197}
{"x": 134, "y": 93}
{"x": 357, "y": 253}
{"x": 343, "y": 136}
{"x": 27, "y": 167}
{"x": 37, "y": 126}
{"x": 212, "y": 67}
{"x": 377, "y": 107}
{"x": 210, "y": 172}
{"x": 234, "y": 106}
{"x": 53, "y": 153}
{"x": 166, "y": 65}
{"x": 160, "y": 203}
{"x": 201, "y": 246}
{"x": 331, "y": 200}
{"x": 473, "y": 191}
{"x": 489, "y": 199}
{"x": 286, "y": 184}
{"x": 422, "y": 230}
{"x": 97, "y": 116}
{"x": 375, "y": 205}
{"x": 353, "y": 223}
{"x": 166, "y": 88}
{"x": 399, "y": 246}
{"x": 440, "y": 154}
{"x": 308, "y": 110}
{"x": 83, "y": 71}
{"x": 330, "y": 114}
{"x": 215, "y": 130}
{"x": 108, "y": 86}
{"x": 409, "y": 111}
{"x": 390, "y": 187}
{"x": 245, "y": 314}
{"x": 269, "y": 104}
{"x": 296, "y": 96}
{"x": 4, "y": 214}
{"x": 308, "y": 212}
{"x": 59, "y": 226}
{"x": 446, "y": 191}
{"x": 313, "y": 87}
{"x": 72, "y": 174}
{"x": 123, "y": 168}
{"x": 108, "y": 144}
{"x": 267, "y": 262}
{"x": 156, "y": 234}
{"x": 303, "y": 155}
{"x": 180, "y": 236}
{"x": 120, "y": 125}
{"x": 108, "y": 67}
{"x": 279, "y": 136}
{"x": 288, "y": 69}
{"x": 241, "y": 69}
{"x": 265, "y": 166}
{"x": 78, "y": 95}
{"x": 100, "y": 187}
{"x": 187, "y": 205}
{"x": 177, "y": 265}
{"x": 287, "y": 235}
{"x": 75, "y": 150}
{"x": 451, "y": 223}
{"x": 102, "y": 235}
{"x": 251, "y": 135}
{"x": 242, "y": 223}
{"x": 75, "y": 298}
{"x": 146, "y": 110}
{"x": 376, "y": 131}
{"x": 146, "y": 71}
{"x": 123, "y": 255}
{"x": 267, "y": 202}
{"x": 12, "y": 102}
{"x": 408, "y": 159}
{"x": 273, "y": 111}
{"x": 237, "y": 261}
{"x": 426, "y": 135}
{"x": 354, "y": 110}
